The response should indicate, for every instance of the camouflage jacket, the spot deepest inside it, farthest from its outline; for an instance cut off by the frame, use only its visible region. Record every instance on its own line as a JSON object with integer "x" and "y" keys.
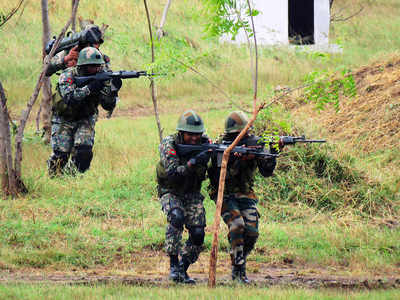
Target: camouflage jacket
{"x": 76, "y": 103}
{"x": 173, "y": 174}
{"x": 240, "y": 173}
{"x": 57, "y": 63}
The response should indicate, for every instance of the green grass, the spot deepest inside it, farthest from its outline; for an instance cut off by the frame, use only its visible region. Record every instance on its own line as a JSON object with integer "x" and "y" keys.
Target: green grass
{"x": 323, "y": 208}
{"x": 127, "y": 292}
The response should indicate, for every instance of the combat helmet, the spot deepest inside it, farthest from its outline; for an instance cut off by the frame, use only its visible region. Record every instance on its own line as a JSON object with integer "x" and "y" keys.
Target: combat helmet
{"x": 235, "y": 122}
{"x": 90, "y": 56}
{"x": 190, "y": 121}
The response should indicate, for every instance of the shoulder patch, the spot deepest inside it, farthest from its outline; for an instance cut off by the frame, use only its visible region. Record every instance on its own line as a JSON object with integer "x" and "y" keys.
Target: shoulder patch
{"x": 172, "y": 152}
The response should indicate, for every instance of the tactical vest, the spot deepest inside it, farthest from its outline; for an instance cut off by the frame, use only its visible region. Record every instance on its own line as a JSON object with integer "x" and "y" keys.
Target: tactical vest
{"x": 239, "y": 174}
{"x": 189, "y": 184}
{"x": 85, "y": 109}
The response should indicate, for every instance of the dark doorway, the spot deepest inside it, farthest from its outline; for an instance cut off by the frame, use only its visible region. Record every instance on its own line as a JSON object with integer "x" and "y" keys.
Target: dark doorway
{"x": 301, "y": 22}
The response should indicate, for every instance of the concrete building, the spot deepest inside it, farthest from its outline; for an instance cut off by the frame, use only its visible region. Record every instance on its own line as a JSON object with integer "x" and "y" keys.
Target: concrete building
{"x": 282, "y": 22}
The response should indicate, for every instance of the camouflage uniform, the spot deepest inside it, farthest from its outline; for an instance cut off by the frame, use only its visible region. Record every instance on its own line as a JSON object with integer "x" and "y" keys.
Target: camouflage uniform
{"x": 74, "y": 117}
{"x": 239, "y": 209}
{"x": 179, "y": 192}
{"x": 57, "y": 63}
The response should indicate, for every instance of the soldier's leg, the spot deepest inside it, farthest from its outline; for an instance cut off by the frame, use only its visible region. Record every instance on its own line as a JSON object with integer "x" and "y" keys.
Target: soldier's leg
{"x": 195, "y": 222}
{"x": 83, "y": 144}
{"x": 61, "y": 143}
{"x": 250, "y": 216}
{"x": 231, "y": 215}
{"x": 173, "y": 209}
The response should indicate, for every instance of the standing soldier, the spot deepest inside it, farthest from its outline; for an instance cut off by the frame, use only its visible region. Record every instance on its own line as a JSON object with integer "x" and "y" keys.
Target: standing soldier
{"x": 179, "y": 182}
{"x": 75, "y": 112}
{"x": 239, "y": 210}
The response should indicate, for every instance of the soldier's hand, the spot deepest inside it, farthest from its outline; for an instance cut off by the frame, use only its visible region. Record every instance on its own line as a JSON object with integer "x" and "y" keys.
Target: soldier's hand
{"x": 71, "y": 58}
{"x": 201, "y": 159}
{"x": 116, "y": 84}
{"x": 95, "y": 86}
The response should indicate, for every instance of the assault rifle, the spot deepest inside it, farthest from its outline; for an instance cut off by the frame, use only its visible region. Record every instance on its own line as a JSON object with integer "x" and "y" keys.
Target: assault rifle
{"x": 191, "y": 150}
{"x": 291, "y": 140}
{"x": 104, "y": 76}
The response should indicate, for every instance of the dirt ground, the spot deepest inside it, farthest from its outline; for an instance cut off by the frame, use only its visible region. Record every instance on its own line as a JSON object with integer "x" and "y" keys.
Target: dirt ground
{"x": 151, "y": 268}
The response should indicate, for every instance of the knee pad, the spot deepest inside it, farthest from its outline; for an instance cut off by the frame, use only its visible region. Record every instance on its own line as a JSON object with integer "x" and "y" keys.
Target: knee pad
{"x": 177, "y": 218}
{"x": 196, "y": 234}
{"x": 82, "y": 157}
{"x": 249, "y": 242}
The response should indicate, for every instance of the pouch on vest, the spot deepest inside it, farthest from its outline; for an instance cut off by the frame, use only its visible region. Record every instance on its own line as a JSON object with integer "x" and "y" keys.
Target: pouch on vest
{"x": 59, "y": 106}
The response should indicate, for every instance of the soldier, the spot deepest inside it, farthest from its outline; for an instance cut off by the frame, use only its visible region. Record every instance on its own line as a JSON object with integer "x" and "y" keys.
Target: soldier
{"x": 66, "y": 59}
{"x": 179, "y": 182}
{"x": 239, "y": 210}
{"x": 75, "y": 113}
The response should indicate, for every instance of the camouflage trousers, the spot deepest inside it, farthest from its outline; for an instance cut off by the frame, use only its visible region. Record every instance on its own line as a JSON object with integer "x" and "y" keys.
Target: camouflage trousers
{"x": 194, "y": 216}
{"x": 67, "y": 136}
{"x": 240, "y": 213}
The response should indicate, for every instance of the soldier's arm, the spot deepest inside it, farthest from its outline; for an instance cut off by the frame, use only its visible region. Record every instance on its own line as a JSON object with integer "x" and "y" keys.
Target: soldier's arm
{"x": 70, "y": 93}
{"x": 170, "y": 160}
{"x": 56, "y": 63}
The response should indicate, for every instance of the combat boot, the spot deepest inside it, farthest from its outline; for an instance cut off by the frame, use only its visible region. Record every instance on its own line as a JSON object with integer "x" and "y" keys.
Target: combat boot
{"x": 239, "y": 274}
{"x": 174, "y": 269}
{"x": 184, "y": 265}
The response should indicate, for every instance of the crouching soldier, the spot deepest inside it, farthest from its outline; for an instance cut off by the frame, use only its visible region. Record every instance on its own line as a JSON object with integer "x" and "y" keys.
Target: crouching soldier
{"x": 179, "y": 181}
{"x": 75, "y": 111}
{"x": 239, "y": 210}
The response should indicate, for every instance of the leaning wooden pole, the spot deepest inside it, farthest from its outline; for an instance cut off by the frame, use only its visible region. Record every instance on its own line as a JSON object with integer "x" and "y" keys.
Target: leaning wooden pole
{"x": 224, "y": 164}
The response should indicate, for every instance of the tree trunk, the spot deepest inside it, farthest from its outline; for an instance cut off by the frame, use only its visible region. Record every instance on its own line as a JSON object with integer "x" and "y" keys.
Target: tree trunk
{"x": 46, "y": 95}
{"x": 152, "y": 83}
{"x": 31, "y": 102}
{"x": 73, "y": 23}
{"x": 8, "y": 180}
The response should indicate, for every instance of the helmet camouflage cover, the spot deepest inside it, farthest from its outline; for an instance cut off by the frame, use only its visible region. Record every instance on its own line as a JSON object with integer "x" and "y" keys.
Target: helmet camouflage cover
{"x": 235, "y": 122}
{"x": 90, "y": 56}
{"x": 190, "y": 121}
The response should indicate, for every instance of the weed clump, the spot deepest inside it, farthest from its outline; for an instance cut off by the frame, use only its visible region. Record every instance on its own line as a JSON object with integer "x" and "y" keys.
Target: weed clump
{"x": 312, "y": 175}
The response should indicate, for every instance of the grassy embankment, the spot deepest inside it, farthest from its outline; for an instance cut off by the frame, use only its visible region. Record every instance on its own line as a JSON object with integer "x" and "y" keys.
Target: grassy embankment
{"x": 101, "y": 219}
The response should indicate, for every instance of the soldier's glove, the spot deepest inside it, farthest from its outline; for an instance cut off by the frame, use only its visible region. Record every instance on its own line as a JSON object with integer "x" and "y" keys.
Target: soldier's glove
{"x": 116, "y": 84}
{"x": 95, "y": 86}
{"x": 201, "y": 159}
{"x": 72, "y": 57}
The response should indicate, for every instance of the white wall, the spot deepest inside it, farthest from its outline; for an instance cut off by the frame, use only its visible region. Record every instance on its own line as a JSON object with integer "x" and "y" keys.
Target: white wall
{"x": 321, "y": 21}
{"x": 272, "y": 22}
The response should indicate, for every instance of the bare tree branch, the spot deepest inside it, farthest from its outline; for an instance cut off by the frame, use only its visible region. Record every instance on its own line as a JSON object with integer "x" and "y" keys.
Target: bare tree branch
{"x": 160, "y": 30}
{"x": 152, "y": 83}
{"x": 4, "y": 19}
{"x": 31, "y": 102}
{"x": 341, "y": 18}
